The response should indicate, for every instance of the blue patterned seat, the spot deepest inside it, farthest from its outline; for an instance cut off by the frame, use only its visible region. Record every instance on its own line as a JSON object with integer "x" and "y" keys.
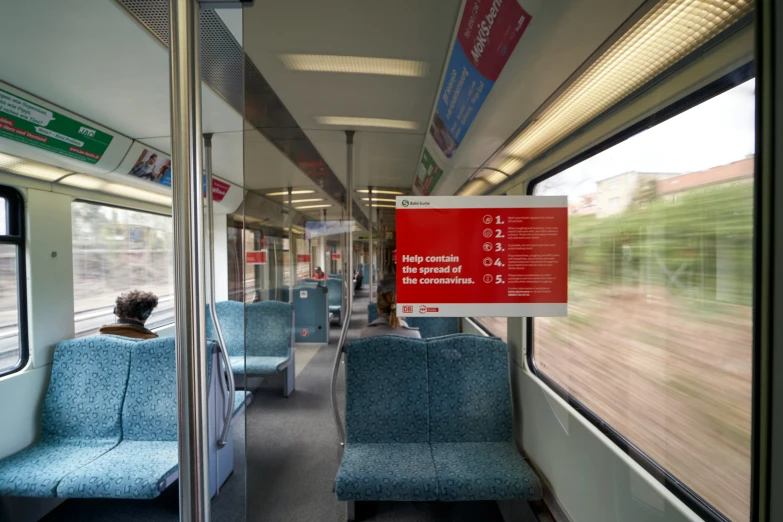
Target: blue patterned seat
{"x": 146, "y": 460}
{"x": 81, "y": 417}
{"x": 430, "y": 420}
{"x": 335, "y": 296}
{"x": 430, "y": 327}
{"x": 387, "y": 455}
{"x": 471, "y": 422}
{"x": 372, "y": 312}
{"x": 269, "y": 329}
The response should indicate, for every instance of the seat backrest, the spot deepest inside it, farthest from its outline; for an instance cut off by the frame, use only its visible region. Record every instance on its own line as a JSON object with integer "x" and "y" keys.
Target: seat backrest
{"x": 269, "y": 328}
{"x": 434, "y": 326}
{"x": 281, "y": 293}
{"x": 470, "y": 398}
{"x": 150, "y": 410}
{"x": 335, "y": 287}
{"x": 386, "y": 391}
{"x": 86, "y": 390}
{"x": 372, "y": 312}
{"x": 335, "y": 276}
{"x": 231, "y": 315}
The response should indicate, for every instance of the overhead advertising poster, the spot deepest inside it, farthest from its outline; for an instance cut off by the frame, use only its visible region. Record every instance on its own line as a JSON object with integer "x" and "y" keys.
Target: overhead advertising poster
{"x": 26, "y": 122}
{"x": 488, "y": 33}
{"x": 315, "y": 229}
{"x": 153, "y": 167}
{"x": 255, "y": 257}
{"x": 428, "y": 173}
{"x": 482, "y": 256}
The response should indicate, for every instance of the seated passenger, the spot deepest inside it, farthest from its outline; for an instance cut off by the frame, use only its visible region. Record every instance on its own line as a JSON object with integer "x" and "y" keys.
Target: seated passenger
{"x": 132, "y": 311}
{"x": 319, "y": 274}
{"x": 388, "y": 322}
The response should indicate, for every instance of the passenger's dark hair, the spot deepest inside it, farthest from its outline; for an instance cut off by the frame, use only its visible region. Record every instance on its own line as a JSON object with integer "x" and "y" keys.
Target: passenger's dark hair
{"x": 387, "y": 304}
{"x": 136, "y": 305}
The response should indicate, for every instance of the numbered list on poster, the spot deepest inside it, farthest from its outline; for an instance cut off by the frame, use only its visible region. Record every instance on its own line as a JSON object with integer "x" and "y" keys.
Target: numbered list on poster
{"x": 482, "y": 256}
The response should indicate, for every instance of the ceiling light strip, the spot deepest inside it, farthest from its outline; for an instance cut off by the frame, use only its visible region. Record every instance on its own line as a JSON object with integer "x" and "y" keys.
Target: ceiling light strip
{"x": 665, "y": 35}
{"x": 349, "y": 121}
{"x": 354, "y": 65}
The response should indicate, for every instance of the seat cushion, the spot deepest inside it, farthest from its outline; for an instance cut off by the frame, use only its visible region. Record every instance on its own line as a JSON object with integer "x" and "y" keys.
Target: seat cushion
{"x": 387, "y": 472}
{"x": 256, "y": 365}
{"x": 37, "y": 470}
{"x": 483, "y": 471}
{"x": 334, "y": 309}
{"x": 134, "y": 469}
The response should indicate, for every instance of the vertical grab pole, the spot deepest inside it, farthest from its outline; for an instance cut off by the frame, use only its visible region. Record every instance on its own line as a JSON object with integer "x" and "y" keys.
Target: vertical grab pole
{"x": 188, "y": 260}
{"x": 291, "y": 260}
{"x": 349, "y": 311}
{"x": 229, "y": 404}
{"x": 372, "y": 258}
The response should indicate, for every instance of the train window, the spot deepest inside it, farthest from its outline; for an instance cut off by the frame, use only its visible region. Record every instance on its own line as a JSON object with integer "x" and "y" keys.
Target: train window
{"x": 497, "y": 326}
{"x": 13, "y": 318}
{"x": 116, "y": 250}
{"x": 658, "y": 339}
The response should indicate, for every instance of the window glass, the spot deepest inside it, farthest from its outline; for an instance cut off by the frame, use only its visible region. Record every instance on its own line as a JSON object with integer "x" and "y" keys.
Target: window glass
{"x": 3, "y": 217}
{"x": 657, "y": 342}
{"x": 12, "y": 344}
{"x": 10, "y": 349}
{"x": 497, "y": 326}
{"x": 117, "y": 250}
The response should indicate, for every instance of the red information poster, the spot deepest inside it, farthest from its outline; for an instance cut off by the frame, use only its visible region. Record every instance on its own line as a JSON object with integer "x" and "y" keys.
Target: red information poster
{"x": 255, "y": 257}
{"x": 335, "y": 256}
{"x": 482, "y": 256}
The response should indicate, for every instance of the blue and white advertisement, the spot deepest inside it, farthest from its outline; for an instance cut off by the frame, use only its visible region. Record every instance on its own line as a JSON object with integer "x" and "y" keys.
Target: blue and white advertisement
{"x": 488, "y": 33}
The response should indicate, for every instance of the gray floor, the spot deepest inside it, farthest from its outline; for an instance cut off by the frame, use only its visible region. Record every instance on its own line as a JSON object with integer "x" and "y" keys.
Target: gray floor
{"x": 292, "y": 458}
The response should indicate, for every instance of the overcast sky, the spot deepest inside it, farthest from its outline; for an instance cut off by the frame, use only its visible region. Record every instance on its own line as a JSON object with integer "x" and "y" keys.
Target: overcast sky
{"x": 714, "y": 133}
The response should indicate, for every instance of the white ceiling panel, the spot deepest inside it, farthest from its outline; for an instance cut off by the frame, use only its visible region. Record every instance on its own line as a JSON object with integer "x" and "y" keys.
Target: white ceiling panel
{"x": 405, "y": 29}
{"x": 381, "y": 159}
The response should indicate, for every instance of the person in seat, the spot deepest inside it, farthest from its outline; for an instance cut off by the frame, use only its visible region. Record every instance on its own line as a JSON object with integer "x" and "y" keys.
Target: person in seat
{"x": 388, "y": 323}
{"x": 132, "y": 311}
{"x": 319, "y": 274}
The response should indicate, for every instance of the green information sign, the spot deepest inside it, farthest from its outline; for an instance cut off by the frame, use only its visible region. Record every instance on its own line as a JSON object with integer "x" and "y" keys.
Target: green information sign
{"x": 428, "y": 173}
{"x": 31, "y": 124}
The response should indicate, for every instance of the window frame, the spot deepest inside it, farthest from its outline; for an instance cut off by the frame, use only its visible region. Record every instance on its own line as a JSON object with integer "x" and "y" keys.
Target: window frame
{"x": 689, "y": 497}
{"x": 16, "y": 236}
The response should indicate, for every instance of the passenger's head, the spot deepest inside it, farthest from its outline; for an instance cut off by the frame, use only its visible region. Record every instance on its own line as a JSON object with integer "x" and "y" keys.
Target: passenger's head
{"x": 136, "y": 305}
{"x": 387, "y": 304}
{"x": 318, "y": 270}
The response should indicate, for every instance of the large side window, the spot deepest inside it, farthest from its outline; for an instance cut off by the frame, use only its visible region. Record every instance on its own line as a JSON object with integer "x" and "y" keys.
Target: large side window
{"x": 116, "y": 250}
{"x": 13, "y": 310}
{"x": 657, "y": 344}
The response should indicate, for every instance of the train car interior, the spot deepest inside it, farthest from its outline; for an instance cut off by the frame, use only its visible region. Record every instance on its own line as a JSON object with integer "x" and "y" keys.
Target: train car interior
{"x": 198, "y": 243}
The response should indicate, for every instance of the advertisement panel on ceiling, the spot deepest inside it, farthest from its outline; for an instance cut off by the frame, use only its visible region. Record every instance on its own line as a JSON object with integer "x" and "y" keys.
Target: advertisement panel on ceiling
{"x": 26, "y": 122}
{"x": 487, "y": 34}
{"x": 315, "y": 229}
{"x": 502, "y": 256}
